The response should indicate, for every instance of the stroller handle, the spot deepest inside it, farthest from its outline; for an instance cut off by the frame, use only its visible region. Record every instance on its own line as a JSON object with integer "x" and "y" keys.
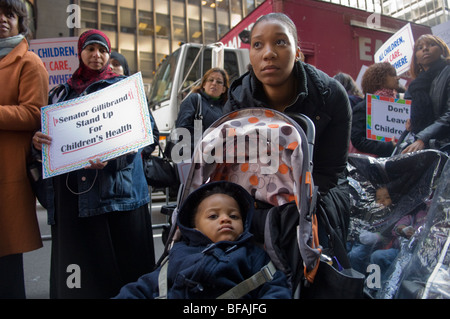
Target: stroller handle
{"x": 308, "y": 127}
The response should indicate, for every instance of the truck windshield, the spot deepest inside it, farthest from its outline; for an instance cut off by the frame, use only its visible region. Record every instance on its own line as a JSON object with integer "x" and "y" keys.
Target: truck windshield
{"x": 163, "y": 80}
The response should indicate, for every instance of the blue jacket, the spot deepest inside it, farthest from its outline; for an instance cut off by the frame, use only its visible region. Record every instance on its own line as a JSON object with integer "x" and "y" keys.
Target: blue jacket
{"x": 120, "y": 186}
{"x": 201, "y": 269}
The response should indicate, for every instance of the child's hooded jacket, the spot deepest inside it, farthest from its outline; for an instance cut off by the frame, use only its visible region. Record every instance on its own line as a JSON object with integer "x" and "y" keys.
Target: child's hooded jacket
{"x": 199, "y": 268}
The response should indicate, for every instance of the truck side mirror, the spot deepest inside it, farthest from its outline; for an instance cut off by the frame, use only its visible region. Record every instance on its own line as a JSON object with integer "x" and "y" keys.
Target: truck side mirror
{"x": 244, "y": 35}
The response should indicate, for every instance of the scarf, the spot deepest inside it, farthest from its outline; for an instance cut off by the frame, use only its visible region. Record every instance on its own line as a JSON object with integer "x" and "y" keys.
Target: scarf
{"x": 386, "y": 92}
{"x": 8, "y": 44}
{"x": 123, "y": 62}
{"x": 83, "y": 75}
{"x": 421, "y": 105}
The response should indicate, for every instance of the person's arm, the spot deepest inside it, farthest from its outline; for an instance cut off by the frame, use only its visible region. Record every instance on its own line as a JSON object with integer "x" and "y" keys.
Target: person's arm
{"x": 144, "y": 288}
{"x": 331, "y": 151}
{"x": 358, "y": 135}
{"x": 32, "y": 95}
{"x": 440, "y": 128}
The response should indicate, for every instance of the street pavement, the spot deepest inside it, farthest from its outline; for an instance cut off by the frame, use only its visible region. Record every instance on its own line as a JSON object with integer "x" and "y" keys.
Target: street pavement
{"x": 37, "y": 263}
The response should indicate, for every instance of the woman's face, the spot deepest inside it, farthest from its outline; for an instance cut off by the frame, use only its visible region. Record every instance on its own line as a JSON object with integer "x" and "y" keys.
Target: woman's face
{"x": 427, "y": 52}
{"x": 214, "y": 85}
{"x": 116, "y": 67}
{"x": 95, "y": 56}
{"x": 9, "y": 24}
{"x": 272, "y": 52}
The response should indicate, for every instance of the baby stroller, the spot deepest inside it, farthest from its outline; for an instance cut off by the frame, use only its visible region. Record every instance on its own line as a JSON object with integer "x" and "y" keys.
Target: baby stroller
{"x": 270, "y": 155}
{"x": 383, "y": 234}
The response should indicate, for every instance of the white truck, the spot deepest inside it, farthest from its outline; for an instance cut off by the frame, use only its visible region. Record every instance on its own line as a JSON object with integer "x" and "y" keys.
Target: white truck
{"x": 183, "y": 69}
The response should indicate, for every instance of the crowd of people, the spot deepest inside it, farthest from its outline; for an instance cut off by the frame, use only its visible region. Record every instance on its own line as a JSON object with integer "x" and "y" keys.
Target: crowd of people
{"x": 99, "y": 215}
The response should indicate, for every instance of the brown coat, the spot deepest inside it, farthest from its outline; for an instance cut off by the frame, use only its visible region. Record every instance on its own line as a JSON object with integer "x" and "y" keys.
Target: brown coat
{"x": 23, "y": 91}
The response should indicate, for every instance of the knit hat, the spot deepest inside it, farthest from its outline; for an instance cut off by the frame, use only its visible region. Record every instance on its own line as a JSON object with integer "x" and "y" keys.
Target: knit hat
{"x": 96, "y": 36}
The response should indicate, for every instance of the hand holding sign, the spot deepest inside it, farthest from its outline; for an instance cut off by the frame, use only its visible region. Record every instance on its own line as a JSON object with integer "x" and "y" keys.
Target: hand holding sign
{"x": 89, "y": 130}
{"x": 386, "y": 117}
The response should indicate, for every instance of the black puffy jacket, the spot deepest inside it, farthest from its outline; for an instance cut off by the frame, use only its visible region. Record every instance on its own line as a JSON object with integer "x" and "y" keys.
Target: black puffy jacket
{"x": 440, "y": 98}
{"x": 324, "y": 101}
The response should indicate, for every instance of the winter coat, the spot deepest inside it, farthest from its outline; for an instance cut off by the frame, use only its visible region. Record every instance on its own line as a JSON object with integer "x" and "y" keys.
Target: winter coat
{"x": 358, "y": 135}
{"x": 324, "y": 101}
{"x": 201, "y": 269}
{"x": 24, "y": 85}
{"x": 440, "y": 99}
{"x": 120, "y": 186}
{"x": 211, "y": 110}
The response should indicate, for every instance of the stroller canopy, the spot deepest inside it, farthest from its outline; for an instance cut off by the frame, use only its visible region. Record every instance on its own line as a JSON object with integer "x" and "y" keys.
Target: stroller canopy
{"x": 267, "y": 153}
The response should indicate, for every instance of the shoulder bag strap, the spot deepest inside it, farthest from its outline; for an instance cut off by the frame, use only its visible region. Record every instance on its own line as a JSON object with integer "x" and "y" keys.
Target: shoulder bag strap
{"x": 198, "y": 110}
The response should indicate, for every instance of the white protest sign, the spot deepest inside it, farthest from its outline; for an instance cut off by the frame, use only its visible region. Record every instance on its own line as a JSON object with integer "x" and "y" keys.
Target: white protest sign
{"x": 442, "y": 31}
{"x": 397, "y": 50}
{"x": 386, "y": 117}
{"x": 59, "y": 56}
{"x": 104, "y": 124}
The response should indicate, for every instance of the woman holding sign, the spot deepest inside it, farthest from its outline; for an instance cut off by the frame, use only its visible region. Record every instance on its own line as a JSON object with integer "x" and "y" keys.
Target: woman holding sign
{"x": 379, "y": 79}
{"x": 24, "y": 87}
{"x": 429, "y": 94}
{"x": 101, "y": 228}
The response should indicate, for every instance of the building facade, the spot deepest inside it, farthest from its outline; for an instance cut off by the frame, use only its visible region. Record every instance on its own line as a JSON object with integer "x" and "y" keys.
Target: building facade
{"x": 427, "y": 12}
{"x": 145, "y": 31}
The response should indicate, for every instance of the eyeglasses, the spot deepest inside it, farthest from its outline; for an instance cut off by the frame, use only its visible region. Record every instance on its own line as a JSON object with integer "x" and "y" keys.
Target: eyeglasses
{"x": 219, "y": 82}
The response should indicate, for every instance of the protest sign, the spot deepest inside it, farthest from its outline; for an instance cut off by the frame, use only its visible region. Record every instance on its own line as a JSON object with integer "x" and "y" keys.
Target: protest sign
{"x": 386, "y": 117}
{"x": 60, "y": 58}
{"x": 104, "y": 124}
{"x": 442, "y": 31}
{"x": 397, "y": 50}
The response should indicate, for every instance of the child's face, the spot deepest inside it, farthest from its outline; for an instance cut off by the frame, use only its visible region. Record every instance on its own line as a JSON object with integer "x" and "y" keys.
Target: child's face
{"x": 219, "y": 218}
{"x": 383, "y": 197}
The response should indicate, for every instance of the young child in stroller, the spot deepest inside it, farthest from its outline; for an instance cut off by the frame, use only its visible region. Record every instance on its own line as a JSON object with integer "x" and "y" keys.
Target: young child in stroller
{"x": 215, "y": 252}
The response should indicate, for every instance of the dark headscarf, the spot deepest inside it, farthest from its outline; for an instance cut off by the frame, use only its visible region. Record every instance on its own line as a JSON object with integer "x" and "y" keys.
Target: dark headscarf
{"x": 123, "y": 62}
{"x": 85, "y": 76}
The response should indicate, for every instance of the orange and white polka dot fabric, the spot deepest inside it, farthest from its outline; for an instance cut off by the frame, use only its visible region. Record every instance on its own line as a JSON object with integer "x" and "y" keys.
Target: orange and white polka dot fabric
{"x": 258, "y": 150}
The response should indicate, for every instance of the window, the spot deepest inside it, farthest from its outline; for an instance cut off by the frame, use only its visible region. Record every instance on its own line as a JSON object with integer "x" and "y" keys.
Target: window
{"x": 179, "y": 29}
{"x": 162, "y": 25}
{"x": 131, "y": 59}
{"x": 161, "y": 89}
{"x": 108, "y": 17}
{"x": 195, "y": 31}
{"x": 88, "y": 15}
{"x": 210, "y": 32}
{"x": 145, "y": 25}
{"x": 127, "y": 20}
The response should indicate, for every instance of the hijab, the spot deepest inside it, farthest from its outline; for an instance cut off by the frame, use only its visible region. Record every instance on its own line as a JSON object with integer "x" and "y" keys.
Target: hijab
{"x": 85, "y": 76}
{"x": 123, "y": 62}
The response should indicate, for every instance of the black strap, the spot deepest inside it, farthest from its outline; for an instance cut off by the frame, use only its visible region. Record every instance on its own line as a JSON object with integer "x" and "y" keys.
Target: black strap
{"x": 198, "y": 110}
